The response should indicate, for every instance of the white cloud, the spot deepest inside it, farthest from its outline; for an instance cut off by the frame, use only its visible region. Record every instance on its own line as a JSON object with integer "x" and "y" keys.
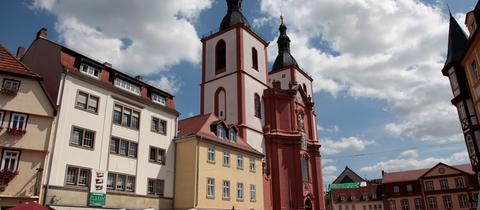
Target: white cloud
{"x": 411, "y": 153}
{"x": 329, "y": 170}
{"x": 135, "y": 37}
{"x": 329, "y": 129}
{"x": 330, "y": 146}
{"x": 405, "y": 163}
{"x": 390, "y": 50}
{"x": 169, "y": 84}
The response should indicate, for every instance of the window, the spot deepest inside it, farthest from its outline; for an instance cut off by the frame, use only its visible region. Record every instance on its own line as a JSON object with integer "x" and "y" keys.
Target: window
{"x": 220, "y": 57}
{"x": 123, "y": 147}
{"x": 253, "y": 193}
{"x": 159, "y": 126}
{"x": 111, "y": 180}
{"x": 226, "y": 190}
{"x": 126, "y": 117}
{"x": 155, "y": 187}
{"x": 305, "y": 176}
{"x": 392, "y": 205}
{"x": 211, "y": 155}
{"x": 463, "y": 201}
{"x": 18, "y": 121}
{"x": 240, "y": 161}
{"x": 77, "y": 176}
{"x": 232, "y": 134}
{"x": 120, "y": 83}
{"x": 10, "y": 159}
{"x": 443, "y": 184}
{"x": 82, "y": 137}
{"x": 258, "y": 106}
{"x": 252, "y": 165}
{"x": 254, "y": 59}
{"x": 157, "y": 155}
{"x": 277, "y": 85}
{"x": 418, "y": 204}
{"x": 89, "y": 70}
{"x": 221, "y": 132}
{"x": 405, "y": 205}
{"x": 130, "y": 183}
{"x": 11, "y": 85}
{"x": 459, "y": 183}
{"x": 87, "y": 102}
{"x": 159, "y": 99}
{"x": 120, "y": 182}
{"x": 396, "y": 189}
{"x": 240, "y": 191}
{"x": 210, "y": 187}
{"x": 409, "y": 188}
{"x": 475, "y": 73}
{"x": 432, "y": 203}
{"x": 374, "y": 196}
{"x": 429, "y": 186}
{"x": 447, "y": 201}
{"x": 226, "y": 158}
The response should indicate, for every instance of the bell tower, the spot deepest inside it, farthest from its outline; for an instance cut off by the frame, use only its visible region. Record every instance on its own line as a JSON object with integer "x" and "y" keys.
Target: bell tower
{"x": 234, "y": 75}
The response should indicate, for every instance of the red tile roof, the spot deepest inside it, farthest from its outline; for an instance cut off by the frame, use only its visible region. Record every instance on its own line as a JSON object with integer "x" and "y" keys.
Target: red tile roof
{"x": 9, "y": 63}
{"x": 200, "y": 126}
{"x": 412, "y": 175}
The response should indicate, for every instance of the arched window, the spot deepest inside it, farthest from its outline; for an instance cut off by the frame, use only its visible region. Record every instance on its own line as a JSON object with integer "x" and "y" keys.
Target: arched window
{"x": 220, "y": 103}
{"x": 258, "y": 106}
{"x": 220, "y": 57}
{"x": 254, "y": 59}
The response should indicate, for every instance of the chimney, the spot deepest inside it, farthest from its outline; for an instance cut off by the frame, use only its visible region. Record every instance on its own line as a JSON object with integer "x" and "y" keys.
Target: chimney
{"x": 20, "y": 53}
{"x": 107, "y": 64}
{"x": 139, "y": 78}
{"x": 42, "y": 33}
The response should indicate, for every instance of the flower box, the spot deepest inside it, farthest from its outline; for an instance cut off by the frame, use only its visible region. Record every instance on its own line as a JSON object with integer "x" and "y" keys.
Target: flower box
{"x": 16, "y": 131}
{"x": 7, "y": 91}
{"x": 8, "y": 173}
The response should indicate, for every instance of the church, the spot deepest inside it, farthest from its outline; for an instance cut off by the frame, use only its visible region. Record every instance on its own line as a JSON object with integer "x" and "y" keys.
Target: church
{"x": 250, "y": 110}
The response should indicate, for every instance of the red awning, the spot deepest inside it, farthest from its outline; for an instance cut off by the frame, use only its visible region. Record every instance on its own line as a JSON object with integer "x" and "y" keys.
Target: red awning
{"x": 30, "y": 206}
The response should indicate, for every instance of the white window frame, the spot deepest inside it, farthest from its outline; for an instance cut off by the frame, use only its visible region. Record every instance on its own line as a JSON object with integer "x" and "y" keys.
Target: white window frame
{"x": 240, "y": 161}
{"x": 252, "y": 165}
{"x": 240, "y": 191}
{"x": 396, "y": 189}
{"x": 12, "y": 117}
{"x": 226, "y": 158}
{"x": 232, "y": 134}
{"x": 90, "y": 70}
{"x": 211, "y": 153}
{"x": 418, "y": 204}
{"x": 405, "y": 204}
{"x": 159, "y": 99}
{"x": 253, "y": 193}
{"x": 226, "y": 189}
{"x": 210, "y": 187}
{"x": 444, "y": 184}
{"x": 8, "y": 84}
{"x": 459, "y": 183}
{"x": 447, "y": 201}
{"x": 409, "y": 188}
{"x": 127, "y": 86}
{"x": 463, "y": 201}
{"x": 220, "y": 131}
{"x": 10, "y": 157}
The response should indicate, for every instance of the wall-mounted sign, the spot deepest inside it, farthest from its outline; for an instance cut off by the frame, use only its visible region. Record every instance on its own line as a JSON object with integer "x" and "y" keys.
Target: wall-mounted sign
{"x": 98, "y": 188}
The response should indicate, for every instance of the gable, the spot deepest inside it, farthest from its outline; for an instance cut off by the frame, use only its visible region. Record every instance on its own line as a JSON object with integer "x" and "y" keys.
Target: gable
{"x": 442, "y": 170}
{"x": 348, "y": 176}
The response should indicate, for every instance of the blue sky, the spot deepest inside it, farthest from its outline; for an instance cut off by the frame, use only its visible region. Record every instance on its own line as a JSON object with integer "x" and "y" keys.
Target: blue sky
{"x": 381, "y": 101}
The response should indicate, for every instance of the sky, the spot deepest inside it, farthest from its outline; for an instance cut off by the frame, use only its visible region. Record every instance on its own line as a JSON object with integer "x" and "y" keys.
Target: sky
{"x": 380, "y": 98}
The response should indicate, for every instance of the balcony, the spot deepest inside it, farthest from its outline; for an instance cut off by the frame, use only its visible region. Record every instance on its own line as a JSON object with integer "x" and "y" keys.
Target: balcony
{"x": 16, "y": 131}
{"x": 8, "y": 92}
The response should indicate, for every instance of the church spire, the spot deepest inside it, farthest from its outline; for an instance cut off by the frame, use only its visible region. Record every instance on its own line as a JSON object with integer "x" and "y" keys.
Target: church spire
{"x": 457, "y": 44}
{"x": 234, "y": 15}
{"x": 284, "y": 58}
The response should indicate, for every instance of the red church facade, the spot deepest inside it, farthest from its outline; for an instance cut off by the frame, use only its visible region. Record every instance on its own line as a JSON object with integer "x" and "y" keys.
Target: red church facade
{"x": 272, "y": 109}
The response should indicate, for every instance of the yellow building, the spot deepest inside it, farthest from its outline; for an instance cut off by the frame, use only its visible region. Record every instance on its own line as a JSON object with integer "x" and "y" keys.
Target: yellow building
{"x": 215, "y": 169}
{"x": 26, "y": 118}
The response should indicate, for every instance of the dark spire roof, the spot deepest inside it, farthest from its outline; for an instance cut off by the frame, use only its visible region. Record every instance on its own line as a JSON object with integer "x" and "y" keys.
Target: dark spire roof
{"x": 284, "y": 58}
{"x": 457, "y": 43}
{"x": 234, "y": 15}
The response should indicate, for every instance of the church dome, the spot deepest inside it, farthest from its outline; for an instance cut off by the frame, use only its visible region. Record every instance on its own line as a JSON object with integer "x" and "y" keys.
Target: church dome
{"x": 234, "y": 15}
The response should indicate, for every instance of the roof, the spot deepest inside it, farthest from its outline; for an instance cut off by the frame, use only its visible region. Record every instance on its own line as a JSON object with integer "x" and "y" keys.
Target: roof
{"x": 412, "y": 175}
{"x": 348, "y": 176}
{"x": 284, "y": 58}
{"x": 200, "y": 126}
{"x": 11, "y": 64}
{"x": 359, "y": 193}
{"x": 457, "y": 44}
{"x": 234, "y": 15}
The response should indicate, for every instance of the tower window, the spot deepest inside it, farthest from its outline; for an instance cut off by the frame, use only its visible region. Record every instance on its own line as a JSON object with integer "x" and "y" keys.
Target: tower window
{"x": 258, "y": 106}
{"x": 254, "y": 59}
{"x": 220, "y": 57}
{"x": 304, "y": 165}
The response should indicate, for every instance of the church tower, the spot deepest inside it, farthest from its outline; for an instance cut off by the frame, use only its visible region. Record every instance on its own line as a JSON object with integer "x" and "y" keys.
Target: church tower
{"x": 234, "y": 75}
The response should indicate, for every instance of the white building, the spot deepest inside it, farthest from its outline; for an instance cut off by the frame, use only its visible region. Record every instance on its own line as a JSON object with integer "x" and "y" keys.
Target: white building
{"x": 107, "y": 121}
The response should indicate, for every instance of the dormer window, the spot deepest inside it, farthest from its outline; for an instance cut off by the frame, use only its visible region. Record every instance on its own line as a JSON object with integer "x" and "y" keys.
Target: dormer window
{"x": 232, "y": 134}
{"x": 90, "y": 70}
{"x": 159, "y": 99}
{"x": 221, "y": 132}
{"x": 120, "y": 83}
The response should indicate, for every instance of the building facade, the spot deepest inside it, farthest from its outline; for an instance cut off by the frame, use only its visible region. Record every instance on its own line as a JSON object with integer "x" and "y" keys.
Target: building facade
{"x": 111, "y": 127}
{"x": 273, "y": 110}
{"x": 441, "y": 187}
{"x": 215, "y": 168}
{"x": 26, "y": 123}
{"x": 349, "y": 191}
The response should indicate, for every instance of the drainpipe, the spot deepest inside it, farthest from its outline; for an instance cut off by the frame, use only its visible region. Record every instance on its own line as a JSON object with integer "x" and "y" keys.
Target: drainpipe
{"x": 65, "y": 72}
{"x": 174, "y": 162}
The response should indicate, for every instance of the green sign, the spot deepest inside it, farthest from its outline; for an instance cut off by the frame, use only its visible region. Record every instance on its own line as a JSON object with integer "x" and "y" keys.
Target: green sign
{"x": 344, "y": 185}
{"x": 97, "y": 199}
